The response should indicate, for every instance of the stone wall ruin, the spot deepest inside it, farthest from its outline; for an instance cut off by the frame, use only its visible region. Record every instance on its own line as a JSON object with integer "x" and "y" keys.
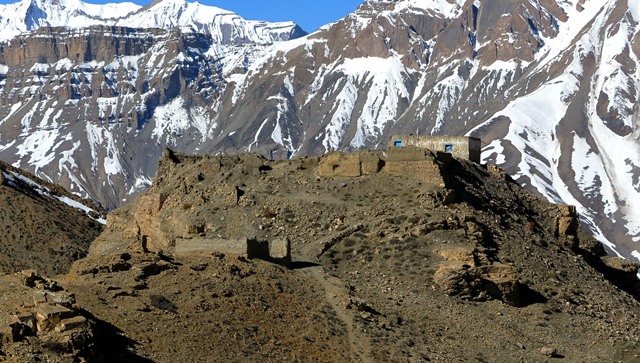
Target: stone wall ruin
{"x": 413, "y": 162}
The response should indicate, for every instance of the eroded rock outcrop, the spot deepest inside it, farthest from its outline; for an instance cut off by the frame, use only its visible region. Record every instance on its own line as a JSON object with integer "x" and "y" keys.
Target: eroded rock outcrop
{"x": 38, "y": 314}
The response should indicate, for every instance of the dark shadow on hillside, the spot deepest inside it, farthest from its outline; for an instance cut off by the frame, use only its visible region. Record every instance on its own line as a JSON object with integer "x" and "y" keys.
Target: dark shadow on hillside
{"x": 488, "y": 242}
{"x": 111, "y": 345}
{"x": 530, "y": 297}
{"x": 469, "y": 182}
{"x": 626, "y": 281}
{"x": 162, "y": 303}
{"x": 298, "y": 265}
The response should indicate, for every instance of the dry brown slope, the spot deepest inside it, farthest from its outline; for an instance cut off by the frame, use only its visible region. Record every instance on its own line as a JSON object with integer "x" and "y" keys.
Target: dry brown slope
{"x": 426, "y": 260}
{"x": 39, "y": 231}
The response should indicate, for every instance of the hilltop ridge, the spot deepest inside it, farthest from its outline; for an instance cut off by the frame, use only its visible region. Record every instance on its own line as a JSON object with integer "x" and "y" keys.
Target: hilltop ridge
{"x": 409, "y": 256}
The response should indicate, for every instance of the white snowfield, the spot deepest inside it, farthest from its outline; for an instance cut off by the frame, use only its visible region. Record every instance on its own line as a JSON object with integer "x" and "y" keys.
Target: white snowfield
{"x": 224, "y": 26}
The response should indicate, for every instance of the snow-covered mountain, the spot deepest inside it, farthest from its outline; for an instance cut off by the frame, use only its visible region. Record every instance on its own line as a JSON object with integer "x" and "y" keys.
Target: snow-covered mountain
{"x": 551, "y": 87}
{"x": 225, "y": 27}
{"x": 27, "y": 15}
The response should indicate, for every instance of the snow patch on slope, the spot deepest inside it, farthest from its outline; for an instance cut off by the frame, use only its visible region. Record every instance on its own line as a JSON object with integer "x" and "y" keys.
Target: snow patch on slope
{"x": 344, "y": 104}
{"x": 42, "y": 190}
{"x": 443, "y": 7}
{"x": 382, "y": 78}
{"x": 172, "y": 120}
{"x": 385, "y": 80}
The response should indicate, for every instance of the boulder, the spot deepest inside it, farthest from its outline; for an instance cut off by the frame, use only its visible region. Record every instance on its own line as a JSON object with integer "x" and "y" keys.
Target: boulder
{"x": 567, "y": 226}
{"x": 49, "y": 315}
{"x": 500, "y": 281}
{"x": 70, "y": 324}
{"x": 464, "y": 254}
{"x": 481, "y": 283}
{"x": 567, "y": 210}
{"x": 456, "y": 279}
{"x": 621, "y": 264}
{"x": 10, "y": 330}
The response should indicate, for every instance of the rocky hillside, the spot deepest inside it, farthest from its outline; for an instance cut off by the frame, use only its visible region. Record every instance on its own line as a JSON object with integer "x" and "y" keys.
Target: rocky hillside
{"x": 42, "y": 226}
{"x": 550, "y": 86}
{"x": 412, "y": 257}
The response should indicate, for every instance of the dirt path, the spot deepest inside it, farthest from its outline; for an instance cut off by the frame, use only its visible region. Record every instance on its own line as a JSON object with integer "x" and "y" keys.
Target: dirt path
{"x": 337, "y": 295}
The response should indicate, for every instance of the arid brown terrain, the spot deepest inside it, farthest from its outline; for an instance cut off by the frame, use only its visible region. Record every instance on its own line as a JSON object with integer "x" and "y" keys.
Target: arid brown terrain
{"x": 406, "y": 256}
{"x": 37, "y": 230}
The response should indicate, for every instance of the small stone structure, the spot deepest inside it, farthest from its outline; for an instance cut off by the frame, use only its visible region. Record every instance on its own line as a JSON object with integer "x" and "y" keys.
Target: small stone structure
{"x": 459, "y": 146}
{"x": 417, "y": 163}
{"x": 277, "y": 250}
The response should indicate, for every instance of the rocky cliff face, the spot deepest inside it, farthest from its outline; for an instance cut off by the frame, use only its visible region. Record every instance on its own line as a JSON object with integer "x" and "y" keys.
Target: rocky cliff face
{"x": 550, "y": 87}
{"x": 106, "y": 85}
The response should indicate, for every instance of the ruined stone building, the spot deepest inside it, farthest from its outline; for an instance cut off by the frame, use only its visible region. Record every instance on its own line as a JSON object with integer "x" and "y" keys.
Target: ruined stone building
{"x": 459, "y": 146}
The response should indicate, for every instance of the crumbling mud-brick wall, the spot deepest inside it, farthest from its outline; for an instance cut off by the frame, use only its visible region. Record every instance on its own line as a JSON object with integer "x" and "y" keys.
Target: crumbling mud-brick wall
{"x": 350, "y": 165}
{"x": 415, "y": 162}
{"x": 411, "y": 162}
{"x": 277, "y": 250}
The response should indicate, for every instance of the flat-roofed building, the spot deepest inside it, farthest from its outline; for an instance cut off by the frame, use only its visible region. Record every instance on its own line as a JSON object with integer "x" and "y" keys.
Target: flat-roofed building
{"x": 459, "y": 146}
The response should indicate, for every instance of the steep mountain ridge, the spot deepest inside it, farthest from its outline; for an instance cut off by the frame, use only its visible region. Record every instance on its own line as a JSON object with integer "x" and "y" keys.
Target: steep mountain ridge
{"x": 551, "y": 87}
{"x": 224, "y": 27}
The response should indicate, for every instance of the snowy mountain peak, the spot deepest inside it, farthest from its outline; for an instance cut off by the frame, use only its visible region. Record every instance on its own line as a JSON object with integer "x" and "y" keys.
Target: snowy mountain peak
{"x": 27, "y": 15}
{"x": 443, "y": 7}
{"x": 224, "y": 26}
